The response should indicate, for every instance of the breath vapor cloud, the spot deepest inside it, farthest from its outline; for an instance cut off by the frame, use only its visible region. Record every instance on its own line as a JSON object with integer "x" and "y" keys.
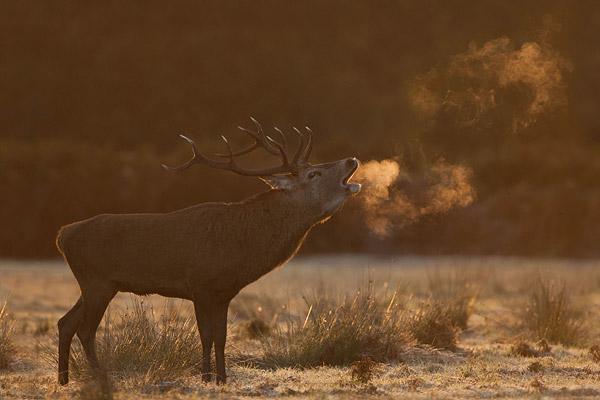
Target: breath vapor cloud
{"x": 497, "y": 87}
{"x": 394, "y": 197}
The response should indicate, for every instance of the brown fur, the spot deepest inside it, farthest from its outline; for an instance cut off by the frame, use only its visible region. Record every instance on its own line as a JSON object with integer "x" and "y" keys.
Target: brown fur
{"x": 205, "y": 253}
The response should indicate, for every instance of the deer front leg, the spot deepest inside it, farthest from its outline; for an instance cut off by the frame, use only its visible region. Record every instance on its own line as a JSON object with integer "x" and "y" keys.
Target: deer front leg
{"x": 205, "y": 324}
{"x": 220, "y": 336}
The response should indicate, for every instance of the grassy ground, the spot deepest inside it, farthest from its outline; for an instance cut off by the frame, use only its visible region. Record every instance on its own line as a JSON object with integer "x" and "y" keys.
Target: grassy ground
{"x": 497, "y": 353}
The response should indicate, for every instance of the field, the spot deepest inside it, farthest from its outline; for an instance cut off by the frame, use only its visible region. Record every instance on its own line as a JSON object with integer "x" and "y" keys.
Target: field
{"x": 281, "y": 328}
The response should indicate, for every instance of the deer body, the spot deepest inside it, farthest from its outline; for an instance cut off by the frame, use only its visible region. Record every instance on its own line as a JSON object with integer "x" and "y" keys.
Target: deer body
{"x": 242, "y": 240}
{"x": 205, "y": 253}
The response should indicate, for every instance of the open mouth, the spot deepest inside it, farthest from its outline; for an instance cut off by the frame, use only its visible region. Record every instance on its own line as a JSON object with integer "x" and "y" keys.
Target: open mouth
{"x": 352, "y": 187}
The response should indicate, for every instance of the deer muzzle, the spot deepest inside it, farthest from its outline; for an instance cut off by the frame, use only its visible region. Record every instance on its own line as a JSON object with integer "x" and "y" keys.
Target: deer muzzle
{"x": 352, "y": 165}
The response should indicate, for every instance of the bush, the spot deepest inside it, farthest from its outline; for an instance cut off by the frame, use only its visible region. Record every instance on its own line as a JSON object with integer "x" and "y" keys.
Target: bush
{"x": 550, "y": 314}
{"x": 340, "y": 332}
{"x": 6, "y": 332}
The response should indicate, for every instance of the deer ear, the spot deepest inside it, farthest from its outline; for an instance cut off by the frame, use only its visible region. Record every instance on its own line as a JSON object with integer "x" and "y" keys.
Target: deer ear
{"x": 279, "y": 181}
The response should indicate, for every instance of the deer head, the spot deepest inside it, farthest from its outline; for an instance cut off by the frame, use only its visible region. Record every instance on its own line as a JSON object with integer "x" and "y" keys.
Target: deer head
{"x": 322, "y": 187}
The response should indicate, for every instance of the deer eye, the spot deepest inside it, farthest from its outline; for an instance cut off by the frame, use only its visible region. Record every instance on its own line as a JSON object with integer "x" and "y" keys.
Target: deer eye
{"x": 313, "y": 174}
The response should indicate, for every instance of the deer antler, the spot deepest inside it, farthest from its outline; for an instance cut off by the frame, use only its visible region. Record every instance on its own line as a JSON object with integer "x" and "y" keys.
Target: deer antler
{"x": 261, "y": 140}
{"x": 308, "y": 148}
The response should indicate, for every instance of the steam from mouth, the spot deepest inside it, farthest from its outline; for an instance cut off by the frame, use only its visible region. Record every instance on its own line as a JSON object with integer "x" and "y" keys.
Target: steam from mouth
{"x": 497, "y": 86}
{"x": 394, "y": 197}
{"x": 352, "y": 187}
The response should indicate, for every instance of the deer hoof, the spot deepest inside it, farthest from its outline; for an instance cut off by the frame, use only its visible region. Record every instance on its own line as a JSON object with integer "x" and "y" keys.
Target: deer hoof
{"x": 63, "y": 378}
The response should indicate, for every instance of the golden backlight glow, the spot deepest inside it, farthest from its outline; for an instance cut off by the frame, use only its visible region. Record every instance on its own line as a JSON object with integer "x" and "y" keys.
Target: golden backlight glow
{"x": 429, "y": 226}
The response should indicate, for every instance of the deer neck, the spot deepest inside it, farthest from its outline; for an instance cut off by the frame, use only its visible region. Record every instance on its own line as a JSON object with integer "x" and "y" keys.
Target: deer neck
{"x": 280, "y": 227}
{"x": 286, "y": 216}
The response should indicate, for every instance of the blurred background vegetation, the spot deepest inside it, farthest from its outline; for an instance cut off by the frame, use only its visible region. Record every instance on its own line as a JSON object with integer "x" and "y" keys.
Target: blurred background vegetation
{"x": 93, "y": 96}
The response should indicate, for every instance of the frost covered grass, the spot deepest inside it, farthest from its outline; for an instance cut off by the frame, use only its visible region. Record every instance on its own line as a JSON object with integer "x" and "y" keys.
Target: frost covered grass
{"x": 330, "y": 327}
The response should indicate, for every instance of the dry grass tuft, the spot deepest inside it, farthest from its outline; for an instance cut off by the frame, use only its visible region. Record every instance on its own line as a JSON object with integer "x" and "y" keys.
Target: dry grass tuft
{"x": 432, "y": 325}
{"x": 246, "y": 306}
{"x": 141, "y": 347}
{"x": 256, "y": 328}
{"x": 550, "y": 314}
{"x": 364, "y": 369}
{"x": 151, "y": 349}
{"x": 535, "y": 366}
{"x": 338, "y": 332}
{"x": 538, "y": 385}
{"x": 42, "y": 327}
{"x": 544, "y": 346}
{"x": 413, "y": 384}
{"x": 457, "y": 291}
{"x": 439, "y": 320}
{"x": 96, "y": 390}
{"x": 595, "y": 353}
{"x": 524, "y": 349}
{"x": 7, "y": 348}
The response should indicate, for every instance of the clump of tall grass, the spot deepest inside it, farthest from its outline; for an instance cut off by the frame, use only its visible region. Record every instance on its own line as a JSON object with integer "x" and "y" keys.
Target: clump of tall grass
{"x": 340, "y": 332}
{"x": 7, "y": 348}
{"x": 595, "y": 353}
{"x": 142, "y": 347}
{"x": 258, "y": 311}
{"x": 364, "y": 369}
{"x": 450, "y": 301}
{"x": 96, "y": 390}
{"x": 374, "y": 325}
{"x": 432, "y": 324}
{"x": 455, "y": 294}
{"x": 256, "y": 328}
{"x": 549, "y": 313}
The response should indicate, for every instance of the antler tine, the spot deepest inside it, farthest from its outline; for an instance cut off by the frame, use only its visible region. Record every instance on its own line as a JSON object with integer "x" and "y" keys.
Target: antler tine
{"x": 259, "y": 141}
{"x": 229, "y": 151}
{"x": 301, "y": 146}
{"x": 255, "y": 135}
{"x": 285, "y": 166}
{"x": 309, "y": 146}
{"x": 282, "y": 152}
{"x": 258, "y": 126}
{"x": 283, "y": 138}
{"x": 194, "y": 159}
{"x": 232, "y": 165}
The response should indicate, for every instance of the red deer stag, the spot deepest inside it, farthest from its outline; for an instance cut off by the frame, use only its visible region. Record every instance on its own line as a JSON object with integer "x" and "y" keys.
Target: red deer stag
{"x": 205, "y": 253}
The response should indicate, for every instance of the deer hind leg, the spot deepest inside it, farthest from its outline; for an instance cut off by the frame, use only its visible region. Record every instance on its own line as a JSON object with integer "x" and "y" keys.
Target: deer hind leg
{"x": 93, "y": 308}
{"x": 67, "y": 326}
{"x": 204, "y": 321}
{"x": 220, "y": 336}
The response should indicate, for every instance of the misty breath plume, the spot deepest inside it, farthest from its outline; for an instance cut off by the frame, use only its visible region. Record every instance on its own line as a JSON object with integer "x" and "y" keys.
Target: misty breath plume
{"x": 497, "y": 83}
{"x": 393, "y": 197}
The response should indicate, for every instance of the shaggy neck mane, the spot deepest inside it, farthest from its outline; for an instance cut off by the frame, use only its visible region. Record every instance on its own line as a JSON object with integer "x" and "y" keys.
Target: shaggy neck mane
{"x": 274, "y": 227}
